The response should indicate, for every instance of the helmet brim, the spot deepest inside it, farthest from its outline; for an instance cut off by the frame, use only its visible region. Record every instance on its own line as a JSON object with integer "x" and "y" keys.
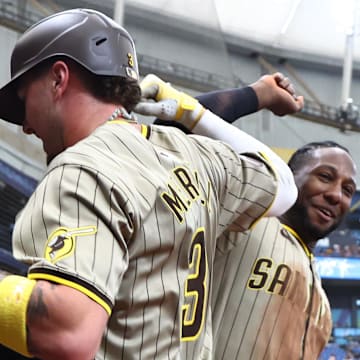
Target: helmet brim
{"x": 12, "y": 109}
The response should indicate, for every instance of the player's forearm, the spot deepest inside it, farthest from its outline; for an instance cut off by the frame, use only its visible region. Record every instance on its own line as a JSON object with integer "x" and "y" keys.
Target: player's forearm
{"x": 231, "y": 104}
{"x": 214, "y": 127}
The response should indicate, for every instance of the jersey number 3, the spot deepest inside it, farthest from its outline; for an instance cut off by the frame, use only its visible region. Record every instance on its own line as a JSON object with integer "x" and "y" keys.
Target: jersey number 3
{"x": 193, "y": 313}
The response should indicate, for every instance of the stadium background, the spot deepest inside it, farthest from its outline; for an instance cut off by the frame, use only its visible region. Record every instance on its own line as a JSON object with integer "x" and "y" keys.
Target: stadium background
{"x": 203, "y": 45}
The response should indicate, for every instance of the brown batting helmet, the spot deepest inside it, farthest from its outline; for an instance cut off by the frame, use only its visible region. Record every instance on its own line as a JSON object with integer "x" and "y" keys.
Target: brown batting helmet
{"x": 88, "y": 37}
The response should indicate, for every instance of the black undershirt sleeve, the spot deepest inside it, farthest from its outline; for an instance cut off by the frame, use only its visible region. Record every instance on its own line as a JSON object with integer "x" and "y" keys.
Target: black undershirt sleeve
{"x": 230, "y": 104}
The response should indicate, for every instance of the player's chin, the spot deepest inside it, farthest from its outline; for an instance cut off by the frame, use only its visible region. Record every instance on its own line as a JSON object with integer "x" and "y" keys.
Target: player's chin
{"x": 322, "y": 230}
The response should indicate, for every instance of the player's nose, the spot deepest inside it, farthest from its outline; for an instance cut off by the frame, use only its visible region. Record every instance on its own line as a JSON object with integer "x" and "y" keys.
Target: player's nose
{"x": 334, "y": 194}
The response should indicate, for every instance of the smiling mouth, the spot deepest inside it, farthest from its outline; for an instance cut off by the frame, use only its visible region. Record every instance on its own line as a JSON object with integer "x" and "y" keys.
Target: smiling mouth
{"x": 325, "y": 213}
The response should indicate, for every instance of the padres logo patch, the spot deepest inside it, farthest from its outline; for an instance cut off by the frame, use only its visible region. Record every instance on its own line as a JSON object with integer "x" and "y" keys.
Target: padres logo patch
{"x": 61, "y": 242}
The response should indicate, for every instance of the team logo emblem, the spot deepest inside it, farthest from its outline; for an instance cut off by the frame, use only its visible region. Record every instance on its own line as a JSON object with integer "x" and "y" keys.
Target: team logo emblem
{"x": 61, "y": 242}
{"x": 130, "y": 59}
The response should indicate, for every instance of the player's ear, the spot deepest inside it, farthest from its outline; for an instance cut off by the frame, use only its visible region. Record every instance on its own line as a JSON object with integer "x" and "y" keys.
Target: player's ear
{"x": 59, "y": 77}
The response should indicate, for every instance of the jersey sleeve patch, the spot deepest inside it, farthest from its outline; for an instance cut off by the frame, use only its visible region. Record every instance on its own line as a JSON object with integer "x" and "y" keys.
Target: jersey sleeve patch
{"x": 61, "y": 242}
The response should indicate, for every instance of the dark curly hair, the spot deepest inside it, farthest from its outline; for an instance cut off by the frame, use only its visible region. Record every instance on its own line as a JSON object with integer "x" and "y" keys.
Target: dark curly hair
{"x": 301, "y": 155}
{"x": 115, "y": 89}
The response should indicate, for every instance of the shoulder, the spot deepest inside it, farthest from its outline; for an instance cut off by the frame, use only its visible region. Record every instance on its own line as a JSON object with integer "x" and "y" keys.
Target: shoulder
{"x": 98, "y": 151}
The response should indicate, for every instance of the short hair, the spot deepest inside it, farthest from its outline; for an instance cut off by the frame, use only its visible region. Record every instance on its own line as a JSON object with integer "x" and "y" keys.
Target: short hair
{"x": 115, "y": 89}
{"x": 300, "y": 156}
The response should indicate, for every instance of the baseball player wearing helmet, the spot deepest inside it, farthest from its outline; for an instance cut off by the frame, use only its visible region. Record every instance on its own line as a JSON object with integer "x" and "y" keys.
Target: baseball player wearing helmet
{"x": 121, "y": 232}
{"x": 267, "y": 298}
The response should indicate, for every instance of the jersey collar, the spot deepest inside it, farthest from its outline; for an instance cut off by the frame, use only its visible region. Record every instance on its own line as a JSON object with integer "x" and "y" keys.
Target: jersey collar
{"x": 298, "y": 238}
{"x": 144, "y": 129}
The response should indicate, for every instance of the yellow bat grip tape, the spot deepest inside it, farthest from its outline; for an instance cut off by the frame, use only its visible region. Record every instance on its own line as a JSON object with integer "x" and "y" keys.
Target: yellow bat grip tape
{"x": 15, "y": 292}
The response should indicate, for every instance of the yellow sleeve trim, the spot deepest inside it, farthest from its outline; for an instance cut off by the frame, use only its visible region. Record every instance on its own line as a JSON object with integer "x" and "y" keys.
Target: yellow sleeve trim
{"x": 144, "y": 131}
{"x": 15, "y": 292}
{"x": 269, "y": 163}
{"x": 73, "y": 285}
{"x": 299, "y": 239}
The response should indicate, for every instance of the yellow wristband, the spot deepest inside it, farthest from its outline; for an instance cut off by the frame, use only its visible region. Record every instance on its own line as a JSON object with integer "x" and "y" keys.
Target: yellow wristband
{"x": 15, "y": 292}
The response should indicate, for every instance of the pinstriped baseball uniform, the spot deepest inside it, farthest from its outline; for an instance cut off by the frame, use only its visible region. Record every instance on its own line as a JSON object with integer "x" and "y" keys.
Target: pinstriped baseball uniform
{"x": 271, "y": 305}
{"x": 131, "y": 220}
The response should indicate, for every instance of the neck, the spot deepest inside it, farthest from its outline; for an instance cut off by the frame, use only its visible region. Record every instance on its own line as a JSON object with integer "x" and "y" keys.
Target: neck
{"x": 85, "y": 119}
{"x": 297, "y": 222}
{"x": 82, "y": 113}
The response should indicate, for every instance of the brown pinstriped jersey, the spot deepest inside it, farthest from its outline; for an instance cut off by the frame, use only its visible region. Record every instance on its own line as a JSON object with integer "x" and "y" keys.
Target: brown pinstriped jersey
{"x": 131, "y": 219}
{"x": 268, "y": 302}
